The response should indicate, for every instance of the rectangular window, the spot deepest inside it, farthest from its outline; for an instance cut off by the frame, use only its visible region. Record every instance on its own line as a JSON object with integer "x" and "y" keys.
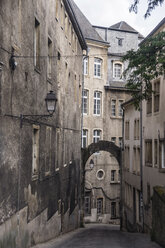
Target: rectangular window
{"x": 138, "y": 129}
{"x": 97, "y": 103}
{"x": 161, "y": 155}
{"x": 37, "y": 44}
{"x": 148, "y": 193}
{"x": 96, "y": 136}
{"x": 100, "y": 206}
{"x": 127, "y": 130}
{"x": 87, "y": 205}
{"x": 97, "y": 67}
{"x": 48, "y": 147}
{"x": 155, "y": 153}
{"x": 58, "y": 149}
{"x": 120, "y": 110}
{"x": 113, "y": 175}
{"x": 120, "y": 142}
{"x": 49, "y": 58}
{"x": 135, "y": 127}
{"x": 113, "y": 210}
{"x": 148, "y": 152}
{"x": 85, "y": 66}
{"x": 156, "y": 96}
{"x": 113, "y": 139}
{"x": 85, "y": 102}
{"x": 113, "y": 107}
{"x": 35, "y": 150}
{"x": 117, "y": 71}
{"x": 149, "y": 105}
{"x": 84, "y": 138}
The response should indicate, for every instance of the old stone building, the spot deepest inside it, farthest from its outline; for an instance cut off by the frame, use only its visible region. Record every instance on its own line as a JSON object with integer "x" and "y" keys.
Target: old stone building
{"x": 41, "y": 50}
{"x": 145, "y": 178}
{"x": 153, "y": 141}
{"x": 103, "y": 93}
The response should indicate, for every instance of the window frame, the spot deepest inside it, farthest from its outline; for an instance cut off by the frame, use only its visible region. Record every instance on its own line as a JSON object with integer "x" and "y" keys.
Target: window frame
{"x": 97, "y": 67}
{"x": 116, "y": 74}
{"x": 84, "y": 136}
{"x": 96, "y": 137}
{"x": 85, "y": 102}
{"x": 97, "y": 103}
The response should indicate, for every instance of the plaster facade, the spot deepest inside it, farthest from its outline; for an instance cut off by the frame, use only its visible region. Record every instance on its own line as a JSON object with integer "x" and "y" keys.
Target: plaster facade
{"x": 39, "y": 162}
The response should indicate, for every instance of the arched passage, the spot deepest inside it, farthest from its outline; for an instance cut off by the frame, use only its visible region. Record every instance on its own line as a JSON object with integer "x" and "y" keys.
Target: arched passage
{"x": 102, "y": 145}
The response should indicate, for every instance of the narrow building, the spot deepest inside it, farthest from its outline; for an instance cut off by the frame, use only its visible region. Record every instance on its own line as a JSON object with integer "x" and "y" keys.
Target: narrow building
{"x": 41, "y": 51}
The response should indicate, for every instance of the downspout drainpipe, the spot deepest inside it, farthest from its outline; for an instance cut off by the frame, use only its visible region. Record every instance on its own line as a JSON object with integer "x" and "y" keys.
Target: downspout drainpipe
{"x": 82, "y": 171}
{"x": 121, "y": 174}
{"x": 141, "y": 166}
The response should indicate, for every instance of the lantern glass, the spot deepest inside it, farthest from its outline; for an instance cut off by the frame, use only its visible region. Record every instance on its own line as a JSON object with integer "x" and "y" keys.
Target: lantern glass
{"x": 51, "y": 102}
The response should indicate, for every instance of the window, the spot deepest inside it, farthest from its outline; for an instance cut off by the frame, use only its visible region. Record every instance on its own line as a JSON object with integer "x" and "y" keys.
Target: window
{"x": 48, "y": 149}
{"x": 156, "y": 96}
{"x": 117, "y": 71}
{"x": 97, "y": 103}
{"x": 49, "y": 58}
{"x": 119, "y": 176}
{"x": 96, "y": 136}
{"x": 113, "y": 107}
{"x": 120, "y": 41}
{"x": 148, "y": 152}
{"x": 148, "y": 193}
{"x": 113, "y": 139}
{"x": 120, "y": 110}
{"x": 113, "y": 175}
{"x": 155, "y": 153}
{"x": 138, "y": 160}
{"x": 113, "y": 210}
{"x": 97, "y": 67}
{"x": 35, "y": 150}
{"x": 85, "y": 102}
{"x": 85, "y": 66}
{"x": 127, "y": 158}
{"x": 127, "y": 130}
{"x": 149, "y": 105}
{"x": 161, "y": 155}
{"x": 87, "y": 205}
{"x": 84, "y": 138}
{"x": 100, "y": 206}
{"x": 37, "y": 44}
{"x": 58, "y": 148}
{"x": 120, "y": 142}
{"x": 100, "y": 174}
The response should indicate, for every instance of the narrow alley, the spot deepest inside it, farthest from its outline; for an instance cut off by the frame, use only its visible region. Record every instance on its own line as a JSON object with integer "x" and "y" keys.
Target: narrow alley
{"x": 100, "y": 236}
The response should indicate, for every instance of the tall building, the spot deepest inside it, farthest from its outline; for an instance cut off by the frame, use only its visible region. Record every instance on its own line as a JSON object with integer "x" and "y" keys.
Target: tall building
{"x": 103, "y": 93}
{"x": 41, "y": 50}
{"x": 144, "y": 184}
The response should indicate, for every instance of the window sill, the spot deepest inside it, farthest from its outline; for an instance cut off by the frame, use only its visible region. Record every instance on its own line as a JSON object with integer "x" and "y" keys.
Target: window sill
{"x": 149, "y": 114}
{"x": 116, "y": 117}
{"x": 156, "y": 113}
{"x": 115, "y": 182}
{"x": 97, "y": 77}
{"x": 37, "y": 70}
{"x": 96, "y": 115}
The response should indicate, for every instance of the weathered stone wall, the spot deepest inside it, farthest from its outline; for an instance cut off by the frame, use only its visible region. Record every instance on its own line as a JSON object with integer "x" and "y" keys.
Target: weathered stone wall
{"x": 158, "y": 215}
{"x": 35, "y": 209}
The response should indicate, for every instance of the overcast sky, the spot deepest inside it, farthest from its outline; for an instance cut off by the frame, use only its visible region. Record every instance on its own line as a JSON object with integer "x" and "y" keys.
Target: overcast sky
{"x": 108, "y": 12}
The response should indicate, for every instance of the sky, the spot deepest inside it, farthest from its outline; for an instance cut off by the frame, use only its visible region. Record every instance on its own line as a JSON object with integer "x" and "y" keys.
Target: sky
{"x": 108, "y": 12}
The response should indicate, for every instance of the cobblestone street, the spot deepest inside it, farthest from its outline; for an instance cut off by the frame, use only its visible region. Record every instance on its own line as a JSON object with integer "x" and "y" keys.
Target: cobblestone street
{"x": 100, "y": 236}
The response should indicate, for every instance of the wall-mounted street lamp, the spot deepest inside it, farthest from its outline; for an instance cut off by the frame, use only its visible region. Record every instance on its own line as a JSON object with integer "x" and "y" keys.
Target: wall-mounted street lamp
{"x": 50, "y": 101}
{"x": 91, "y": 164}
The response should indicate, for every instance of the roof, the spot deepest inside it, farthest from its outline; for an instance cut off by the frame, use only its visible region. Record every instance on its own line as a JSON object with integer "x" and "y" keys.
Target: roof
{"x": 123, "y": 27}
{"x": 86, "y": 28}
{"x": 154, "y": 30}
{"x": 75, "y": 24}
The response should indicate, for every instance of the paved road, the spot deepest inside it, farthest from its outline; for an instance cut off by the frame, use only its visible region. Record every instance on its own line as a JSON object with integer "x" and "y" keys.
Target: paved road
{"x": 100, "y": 236}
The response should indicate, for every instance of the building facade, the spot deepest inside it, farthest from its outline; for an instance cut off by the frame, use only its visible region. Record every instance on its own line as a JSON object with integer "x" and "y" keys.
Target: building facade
{"x": 41, "y": 50}
{"x": 153, "y": 140}
{"x": 131, "y": 171}
{"x": 140, "y": 178}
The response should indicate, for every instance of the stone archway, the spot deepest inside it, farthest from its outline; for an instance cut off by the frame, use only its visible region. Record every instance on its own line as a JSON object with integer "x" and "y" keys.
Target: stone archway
{"x": 102, "y": 145}
{"x": 106, "y": 146}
